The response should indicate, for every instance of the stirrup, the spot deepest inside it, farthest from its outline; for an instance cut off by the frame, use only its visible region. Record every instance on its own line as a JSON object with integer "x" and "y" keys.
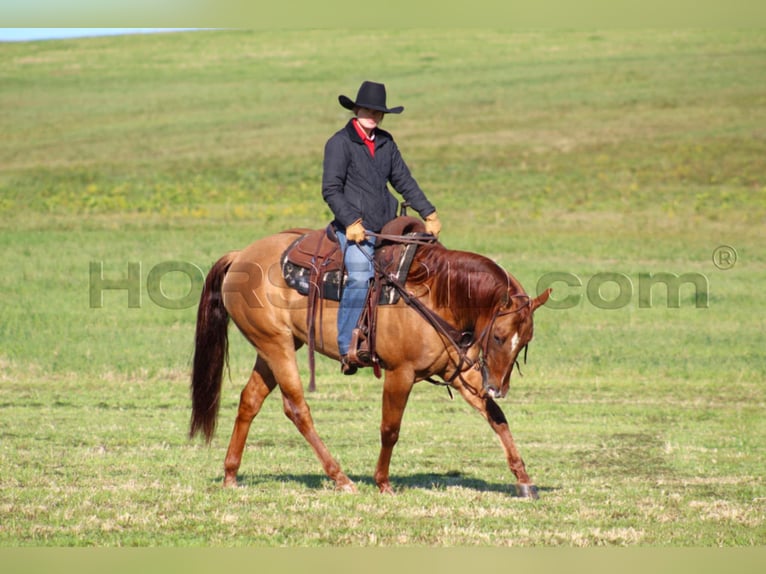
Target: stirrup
{"x": 359, "y": 352}
{"x": 346, "y": 366}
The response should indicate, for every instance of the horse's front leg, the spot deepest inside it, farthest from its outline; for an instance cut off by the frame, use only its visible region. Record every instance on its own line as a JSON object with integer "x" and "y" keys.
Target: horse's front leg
{"x": 496, "y": 419}
{"x": 396, "y": 391}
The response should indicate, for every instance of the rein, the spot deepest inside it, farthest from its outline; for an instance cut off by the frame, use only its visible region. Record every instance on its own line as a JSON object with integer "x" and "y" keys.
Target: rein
{"x": 461, "y": 341}
{"x": 419, "y": 240}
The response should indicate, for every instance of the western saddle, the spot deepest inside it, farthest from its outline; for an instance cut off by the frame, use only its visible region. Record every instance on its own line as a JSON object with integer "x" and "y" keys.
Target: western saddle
{"x": 313, "y": 266}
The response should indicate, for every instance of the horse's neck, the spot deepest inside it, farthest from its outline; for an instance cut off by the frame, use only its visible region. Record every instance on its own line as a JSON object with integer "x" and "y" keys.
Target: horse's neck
{"x": 463, "y": 286}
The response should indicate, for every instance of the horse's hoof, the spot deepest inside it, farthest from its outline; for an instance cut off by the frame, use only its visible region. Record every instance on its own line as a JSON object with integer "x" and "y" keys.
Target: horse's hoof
{"x": 527, "y": 491}
{"x": 387, "y": 489}
{"x": 230, "y": 482}
{"x": 349, "y": 487}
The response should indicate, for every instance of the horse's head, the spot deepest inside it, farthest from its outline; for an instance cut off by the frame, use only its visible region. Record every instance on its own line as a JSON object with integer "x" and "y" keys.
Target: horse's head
{"x": 484, "y": 304}
{"x": 508, "y": 332}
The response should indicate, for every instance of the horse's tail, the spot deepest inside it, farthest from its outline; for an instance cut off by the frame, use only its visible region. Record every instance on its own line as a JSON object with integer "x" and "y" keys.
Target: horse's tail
{"x": 211, "y": 351}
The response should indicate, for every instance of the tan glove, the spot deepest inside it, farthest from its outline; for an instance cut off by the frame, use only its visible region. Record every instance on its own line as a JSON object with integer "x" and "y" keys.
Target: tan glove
{"x": 433, "y": 225}
{"x": 355, "y": 232}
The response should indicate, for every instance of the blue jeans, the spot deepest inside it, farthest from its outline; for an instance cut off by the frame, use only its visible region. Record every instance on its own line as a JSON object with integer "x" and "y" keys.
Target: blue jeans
{"x": 360, "y": 271}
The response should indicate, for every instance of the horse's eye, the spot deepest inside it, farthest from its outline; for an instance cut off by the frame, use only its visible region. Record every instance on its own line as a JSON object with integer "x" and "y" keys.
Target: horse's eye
{"x": 498, "y": 339}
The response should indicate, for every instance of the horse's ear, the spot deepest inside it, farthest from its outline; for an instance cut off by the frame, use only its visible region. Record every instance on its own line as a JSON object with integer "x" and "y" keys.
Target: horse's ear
{"x": 541, "y": 299}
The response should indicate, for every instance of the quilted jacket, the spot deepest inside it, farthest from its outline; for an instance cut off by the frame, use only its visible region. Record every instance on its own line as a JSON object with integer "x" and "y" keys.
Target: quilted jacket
{"x": 355, "y": 184}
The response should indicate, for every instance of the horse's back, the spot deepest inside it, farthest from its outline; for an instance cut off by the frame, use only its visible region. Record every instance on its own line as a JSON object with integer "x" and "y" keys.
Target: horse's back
{"x": 255, "y": 293}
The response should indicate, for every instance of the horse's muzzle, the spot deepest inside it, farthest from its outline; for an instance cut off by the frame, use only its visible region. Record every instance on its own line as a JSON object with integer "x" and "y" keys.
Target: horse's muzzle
{"x": 490, "y": 390}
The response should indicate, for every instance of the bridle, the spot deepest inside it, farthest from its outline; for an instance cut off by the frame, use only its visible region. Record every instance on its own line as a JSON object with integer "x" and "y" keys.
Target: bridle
{"x": 460, "y": 341}
{"x": 484, "y": 352}
{"x": 464, "y": 362}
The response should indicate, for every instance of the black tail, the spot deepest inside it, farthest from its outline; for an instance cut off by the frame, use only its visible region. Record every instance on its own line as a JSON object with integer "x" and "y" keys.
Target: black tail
{"x": 211, "y": 352}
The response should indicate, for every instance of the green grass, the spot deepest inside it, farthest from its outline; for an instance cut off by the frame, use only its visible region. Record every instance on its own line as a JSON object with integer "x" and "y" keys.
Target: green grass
{"x": 580, "y": 152}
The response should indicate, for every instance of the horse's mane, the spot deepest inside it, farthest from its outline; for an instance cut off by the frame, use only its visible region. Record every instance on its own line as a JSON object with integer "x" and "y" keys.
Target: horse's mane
{"x": 470, "y": 285}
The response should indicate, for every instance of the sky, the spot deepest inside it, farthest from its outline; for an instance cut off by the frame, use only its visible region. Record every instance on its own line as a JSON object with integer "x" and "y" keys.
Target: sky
{"x": 28, "y": 34}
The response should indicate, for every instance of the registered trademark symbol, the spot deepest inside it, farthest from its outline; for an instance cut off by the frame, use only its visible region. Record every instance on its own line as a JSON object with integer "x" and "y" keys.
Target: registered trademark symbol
{"x": 724, "y": 257}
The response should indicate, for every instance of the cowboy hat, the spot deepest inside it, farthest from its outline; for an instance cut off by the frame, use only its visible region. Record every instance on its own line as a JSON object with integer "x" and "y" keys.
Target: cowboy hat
{"x": 372, "y": 96}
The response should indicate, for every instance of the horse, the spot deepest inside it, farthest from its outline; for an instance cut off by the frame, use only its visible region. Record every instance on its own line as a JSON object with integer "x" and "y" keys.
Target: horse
{"x": 486, "y": 320}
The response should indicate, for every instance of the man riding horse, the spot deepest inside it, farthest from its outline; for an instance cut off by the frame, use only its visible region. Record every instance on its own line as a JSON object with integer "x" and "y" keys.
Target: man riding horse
{"x": 471, "y": 318}
{"x": 359, "y": 161}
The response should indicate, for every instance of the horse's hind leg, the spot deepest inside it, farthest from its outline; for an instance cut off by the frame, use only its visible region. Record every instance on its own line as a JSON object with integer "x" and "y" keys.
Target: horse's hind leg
{"x": 297, "y": 410}
{"x": 258, "y": 387}
{"x": 496, "y": 419}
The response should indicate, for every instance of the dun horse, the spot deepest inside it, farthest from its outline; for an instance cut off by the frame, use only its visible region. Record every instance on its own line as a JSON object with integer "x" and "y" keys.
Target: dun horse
{"x": 486, "y": 320}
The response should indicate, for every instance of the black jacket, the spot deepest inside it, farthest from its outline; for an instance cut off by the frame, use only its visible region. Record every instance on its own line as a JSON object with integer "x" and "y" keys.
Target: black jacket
{"x": 354, "y": 184}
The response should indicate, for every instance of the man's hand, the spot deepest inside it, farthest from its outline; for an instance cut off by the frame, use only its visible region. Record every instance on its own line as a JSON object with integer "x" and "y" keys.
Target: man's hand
{"x": 433, "y": 225}
{"x": 355, "y": 232}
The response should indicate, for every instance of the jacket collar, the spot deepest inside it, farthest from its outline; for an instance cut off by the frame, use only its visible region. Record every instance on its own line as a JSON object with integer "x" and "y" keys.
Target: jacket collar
{"x": 381, "y": 136}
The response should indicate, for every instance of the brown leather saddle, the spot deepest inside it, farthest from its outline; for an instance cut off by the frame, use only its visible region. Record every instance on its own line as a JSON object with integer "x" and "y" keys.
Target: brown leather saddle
{"x": 315, "y": 259}
{"x": 313, "y": 265}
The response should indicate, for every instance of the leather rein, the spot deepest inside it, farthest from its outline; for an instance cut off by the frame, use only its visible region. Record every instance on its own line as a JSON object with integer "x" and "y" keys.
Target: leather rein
{"x": 461, "y": 341}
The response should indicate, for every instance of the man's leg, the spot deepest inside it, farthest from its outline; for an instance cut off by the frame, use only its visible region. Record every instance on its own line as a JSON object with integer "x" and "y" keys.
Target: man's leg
{"x": 360, "y": 271}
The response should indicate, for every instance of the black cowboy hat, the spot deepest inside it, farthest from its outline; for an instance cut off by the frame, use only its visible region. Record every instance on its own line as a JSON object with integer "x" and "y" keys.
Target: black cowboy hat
{"x": 372, "y": 96}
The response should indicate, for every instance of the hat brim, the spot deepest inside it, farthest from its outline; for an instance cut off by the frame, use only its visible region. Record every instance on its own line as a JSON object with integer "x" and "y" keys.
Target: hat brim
{"x": 350, "y": 104}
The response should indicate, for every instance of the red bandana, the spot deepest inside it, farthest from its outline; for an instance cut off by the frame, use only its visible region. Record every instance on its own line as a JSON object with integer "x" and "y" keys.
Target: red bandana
{"x": 369, "y": 142}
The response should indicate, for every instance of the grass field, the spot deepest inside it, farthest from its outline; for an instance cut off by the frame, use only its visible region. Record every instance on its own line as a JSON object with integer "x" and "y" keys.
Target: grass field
{"x": 592, "y": 155}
